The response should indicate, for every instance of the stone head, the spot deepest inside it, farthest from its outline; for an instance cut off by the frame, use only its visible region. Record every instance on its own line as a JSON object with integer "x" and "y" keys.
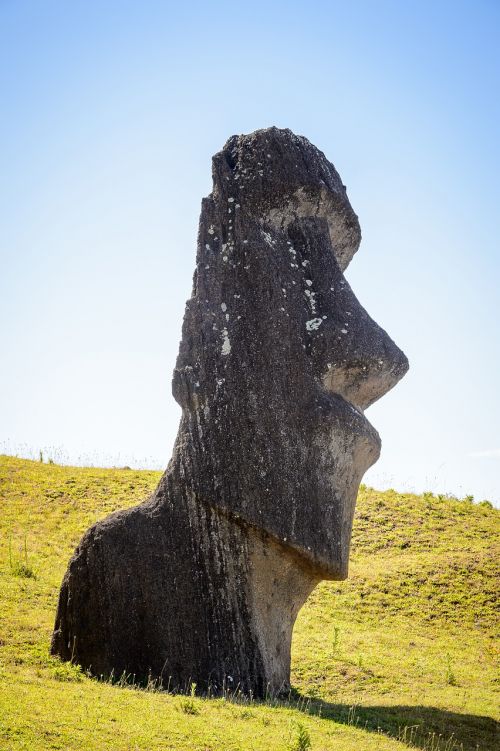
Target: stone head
{"x": 278, "y": 359}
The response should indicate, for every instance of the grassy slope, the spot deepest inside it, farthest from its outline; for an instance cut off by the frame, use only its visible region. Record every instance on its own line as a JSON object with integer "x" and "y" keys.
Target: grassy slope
{"x": 406, "y": 642}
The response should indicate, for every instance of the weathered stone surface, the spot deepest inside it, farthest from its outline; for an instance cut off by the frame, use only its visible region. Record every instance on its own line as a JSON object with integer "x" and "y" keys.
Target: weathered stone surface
{"x": 277, "y": 362}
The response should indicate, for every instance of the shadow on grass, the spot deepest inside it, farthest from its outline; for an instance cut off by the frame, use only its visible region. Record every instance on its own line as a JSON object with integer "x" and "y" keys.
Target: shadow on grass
{"x": 418, "y": 726}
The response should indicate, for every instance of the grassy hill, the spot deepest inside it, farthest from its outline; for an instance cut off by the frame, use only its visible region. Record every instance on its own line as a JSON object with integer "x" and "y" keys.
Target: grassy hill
{"x": 402, "y": 655}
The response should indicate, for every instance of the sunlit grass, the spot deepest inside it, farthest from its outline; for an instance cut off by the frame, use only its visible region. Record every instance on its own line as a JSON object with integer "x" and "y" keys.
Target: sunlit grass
{"x": 402, "y": 655}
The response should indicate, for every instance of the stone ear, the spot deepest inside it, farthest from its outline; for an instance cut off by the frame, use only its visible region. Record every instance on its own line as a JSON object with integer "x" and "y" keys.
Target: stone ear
{"x": 183, "y": 386}
{"x": 222, "y": 167}
{"x": 185, "y": 378}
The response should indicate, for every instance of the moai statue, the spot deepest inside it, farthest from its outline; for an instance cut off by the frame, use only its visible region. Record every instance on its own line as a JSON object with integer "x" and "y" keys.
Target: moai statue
{"x": 278, "y": 361}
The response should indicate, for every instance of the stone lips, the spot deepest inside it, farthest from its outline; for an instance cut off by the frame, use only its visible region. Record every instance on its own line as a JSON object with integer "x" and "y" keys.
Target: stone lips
{"x": 277, "y": 362}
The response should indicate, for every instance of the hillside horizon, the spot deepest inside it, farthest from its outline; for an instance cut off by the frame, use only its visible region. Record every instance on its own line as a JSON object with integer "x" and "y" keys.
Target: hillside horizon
{"x": 99, "y": 460}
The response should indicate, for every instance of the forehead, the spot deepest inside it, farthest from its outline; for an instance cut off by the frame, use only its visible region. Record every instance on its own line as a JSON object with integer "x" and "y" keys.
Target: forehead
{"x": 279, "y": 177}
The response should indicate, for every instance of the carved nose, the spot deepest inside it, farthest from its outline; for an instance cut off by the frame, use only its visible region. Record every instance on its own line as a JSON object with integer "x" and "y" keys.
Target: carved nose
{"x": 364, "y": 362}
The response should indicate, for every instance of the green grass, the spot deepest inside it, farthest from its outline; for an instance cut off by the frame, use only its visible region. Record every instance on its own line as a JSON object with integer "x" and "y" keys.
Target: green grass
{"x": 401, "y": 655}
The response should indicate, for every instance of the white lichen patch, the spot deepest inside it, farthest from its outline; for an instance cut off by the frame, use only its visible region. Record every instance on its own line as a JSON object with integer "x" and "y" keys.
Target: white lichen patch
{"x": 311, "y": 299}
{"x": 313, "y": 324}
{"x": 267, "y": 237}
{"x": 309, "y": 282}
{"x": 230, "y": 200}
{"x": 226, "y": 344}
{"x": 211, "y": 229}
{"x": 223, "y": 307}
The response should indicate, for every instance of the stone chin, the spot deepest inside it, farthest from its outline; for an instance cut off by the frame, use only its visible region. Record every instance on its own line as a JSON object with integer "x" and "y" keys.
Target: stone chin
{"x": 352, "y": 453}
{"x": 344, "y": 446}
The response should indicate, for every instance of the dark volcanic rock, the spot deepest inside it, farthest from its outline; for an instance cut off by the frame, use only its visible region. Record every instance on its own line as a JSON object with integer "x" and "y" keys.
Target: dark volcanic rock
{"x": 277, "y": 362}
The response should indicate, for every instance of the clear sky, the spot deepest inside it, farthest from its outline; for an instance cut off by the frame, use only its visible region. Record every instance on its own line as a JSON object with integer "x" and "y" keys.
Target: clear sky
{"x": 110, "y": 114}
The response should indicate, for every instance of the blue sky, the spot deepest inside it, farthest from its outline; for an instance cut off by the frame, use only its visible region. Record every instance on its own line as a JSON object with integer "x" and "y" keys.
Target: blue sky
{"x": 110, "y": 114}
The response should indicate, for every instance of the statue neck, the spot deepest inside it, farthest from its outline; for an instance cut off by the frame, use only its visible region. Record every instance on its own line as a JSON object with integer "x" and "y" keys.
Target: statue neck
{"x": 246, "y": 591}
